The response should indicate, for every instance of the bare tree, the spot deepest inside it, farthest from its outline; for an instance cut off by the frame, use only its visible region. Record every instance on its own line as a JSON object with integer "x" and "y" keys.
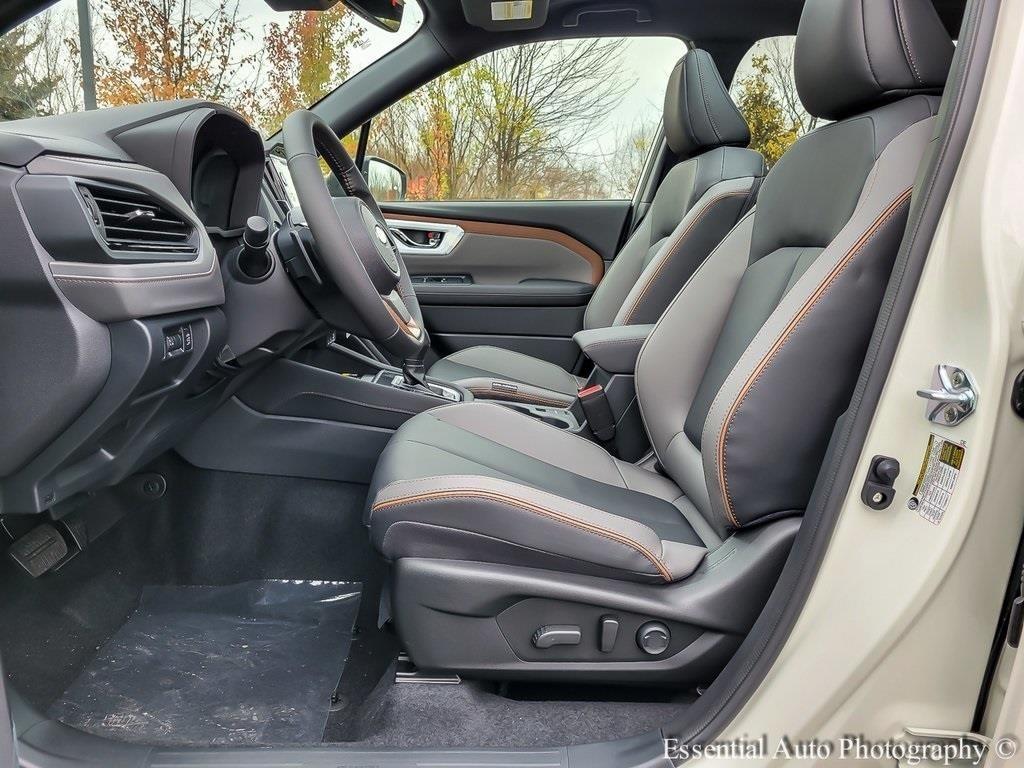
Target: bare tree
{"x": 631, "y": 149}
{"x": 507, "y": 125}
{"x": 56, "y": 60}
{"x": 435, "y": 135}
{"x": 779, "y": 52}
{"x": 539, "y": 101}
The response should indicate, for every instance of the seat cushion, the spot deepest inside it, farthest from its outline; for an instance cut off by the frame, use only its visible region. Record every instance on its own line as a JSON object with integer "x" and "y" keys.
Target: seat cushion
{"x": 481, "y": 482}
{"x": 492, "y": 372}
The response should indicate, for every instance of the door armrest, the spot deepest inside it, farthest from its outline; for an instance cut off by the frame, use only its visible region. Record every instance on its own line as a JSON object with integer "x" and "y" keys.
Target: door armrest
{"x": 614, "y": 349}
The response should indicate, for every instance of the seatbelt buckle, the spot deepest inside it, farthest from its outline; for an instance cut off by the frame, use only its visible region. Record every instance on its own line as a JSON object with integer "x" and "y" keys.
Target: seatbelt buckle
{"x": 598, "y": 411}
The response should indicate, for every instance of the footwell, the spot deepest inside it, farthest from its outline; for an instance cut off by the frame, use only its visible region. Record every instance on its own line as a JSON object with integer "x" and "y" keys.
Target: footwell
{"x": 248, "y": 664}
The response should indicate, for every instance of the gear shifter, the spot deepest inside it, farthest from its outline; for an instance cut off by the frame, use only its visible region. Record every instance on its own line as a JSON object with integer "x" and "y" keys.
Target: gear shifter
{"x": 414, "y": 372}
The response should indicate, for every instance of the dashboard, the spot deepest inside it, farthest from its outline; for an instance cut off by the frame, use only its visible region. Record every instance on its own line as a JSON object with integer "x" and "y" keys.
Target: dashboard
{"x": 121, "y": 324}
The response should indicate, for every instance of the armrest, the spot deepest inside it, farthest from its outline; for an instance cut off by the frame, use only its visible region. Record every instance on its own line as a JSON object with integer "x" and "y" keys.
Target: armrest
{"x": 613, "y": 349}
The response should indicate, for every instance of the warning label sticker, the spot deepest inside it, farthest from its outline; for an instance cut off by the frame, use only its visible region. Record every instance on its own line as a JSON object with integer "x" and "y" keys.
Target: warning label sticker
{"x": 937, "y": 479}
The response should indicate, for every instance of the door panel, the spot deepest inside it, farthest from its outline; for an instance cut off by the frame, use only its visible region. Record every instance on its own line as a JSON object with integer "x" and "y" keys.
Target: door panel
{"x": 595, "y": 223}
{"x": 495, "y": 254}
{"x": 514, "y": 274}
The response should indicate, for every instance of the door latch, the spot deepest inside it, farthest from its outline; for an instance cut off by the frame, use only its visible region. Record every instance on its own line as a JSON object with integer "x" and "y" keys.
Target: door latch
{"x": 953, "y": 397}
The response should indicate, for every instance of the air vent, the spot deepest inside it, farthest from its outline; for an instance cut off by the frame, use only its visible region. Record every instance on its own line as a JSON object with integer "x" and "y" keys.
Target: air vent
{"x": 134, "y": 222}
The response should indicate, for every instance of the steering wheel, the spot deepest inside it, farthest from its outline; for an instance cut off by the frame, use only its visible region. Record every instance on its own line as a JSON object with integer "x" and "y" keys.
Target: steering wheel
{"x": 352, "y": 242}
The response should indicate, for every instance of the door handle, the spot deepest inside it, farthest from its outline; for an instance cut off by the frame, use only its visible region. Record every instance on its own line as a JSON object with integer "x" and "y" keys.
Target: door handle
{"x": 450, "y": 236}
{"x": 407, "y": 241}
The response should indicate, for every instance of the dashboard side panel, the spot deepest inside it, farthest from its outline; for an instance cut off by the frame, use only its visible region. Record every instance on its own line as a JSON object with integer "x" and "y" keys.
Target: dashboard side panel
{"x": 115, "y": 292}
{"x": 55, "y": 358}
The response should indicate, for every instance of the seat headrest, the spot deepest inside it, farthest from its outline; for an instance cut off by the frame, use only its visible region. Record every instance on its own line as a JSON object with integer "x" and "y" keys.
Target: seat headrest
{"x": 699, "y": 114}
{"x": 854, "y": 55}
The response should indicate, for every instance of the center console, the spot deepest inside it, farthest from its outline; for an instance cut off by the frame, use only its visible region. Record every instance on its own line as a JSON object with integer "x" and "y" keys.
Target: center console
{"x": 397, "y": 380}
{"x": 329, "y": 410}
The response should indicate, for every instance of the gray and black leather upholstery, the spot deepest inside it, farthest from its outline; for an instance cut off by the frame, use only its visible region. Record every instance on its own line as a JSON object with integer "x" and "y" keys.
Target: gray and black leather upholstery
{"x": 515, "y": 485}
{"x": 859, "y": 54}
{"x": 740, "y": 382}
{"x": 697, "y": 202}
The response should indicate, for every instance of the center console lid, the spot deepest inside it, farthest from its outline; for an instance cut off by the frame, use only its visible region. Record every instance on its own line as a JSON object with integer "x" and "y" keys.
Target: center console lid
{"x": 613, "y": 349}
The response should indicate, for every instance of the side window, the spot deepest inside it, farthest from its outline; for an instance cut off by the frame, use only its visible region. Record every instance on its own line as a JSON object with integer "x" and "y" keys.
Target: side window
{"x": 764, "y": 89}
{"x": 571, "y": 119}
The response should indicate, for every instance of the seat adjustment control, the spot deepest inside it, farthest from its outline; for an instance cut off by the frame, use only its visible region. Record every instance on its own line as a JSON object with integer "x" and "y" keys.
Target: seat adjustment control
{"x": 609, "y": 633}
{"x": 556, "y": 634}
{"x": 653, "y": 638}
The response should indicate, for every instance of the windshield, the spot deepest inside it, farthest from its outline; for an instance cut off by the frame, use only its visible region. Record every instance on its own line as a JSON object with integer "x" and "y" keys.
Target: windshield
{"x": 260, "y": 62}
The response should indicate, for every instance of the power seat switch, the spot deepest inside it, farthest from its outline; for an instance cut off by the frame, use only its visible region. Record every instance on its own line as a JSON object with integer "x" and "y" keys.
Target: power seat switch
{"x": 609, "y": 633}
{"x": 556, "y": 634}
{"x": 878, "y": 491}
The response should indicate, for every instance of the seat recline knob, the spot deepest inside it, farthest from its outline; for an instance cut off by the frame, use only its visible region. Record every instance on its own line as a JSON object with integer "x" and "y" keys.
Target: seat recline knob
{"x": 653, "y": 638}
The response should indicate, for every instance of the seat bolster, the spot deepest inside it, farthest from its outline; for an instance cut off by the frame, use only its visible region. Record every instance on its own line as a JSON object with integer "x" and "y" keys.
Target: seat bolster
{"x": 772, "y": 411}
{"x": 529, "y": 518}
{"x": 679, "y": 256}
{"x": 493, "y": 388}
{"x": 676, "y": 353}
{"x": 525, "y": 376}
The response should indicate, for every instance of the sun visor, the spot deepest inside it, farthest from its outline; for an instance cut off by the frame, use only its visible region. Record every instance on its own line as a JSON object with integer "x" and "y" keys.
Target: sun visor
{"x": 505, "y": 15}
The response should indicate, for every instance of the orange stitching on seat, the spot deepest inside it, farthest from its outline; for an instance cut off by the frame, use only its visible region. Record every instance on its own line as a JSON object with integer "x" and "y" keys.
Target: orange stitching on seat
{"x": 662, "y": 569}
{"x": 757, "y": 373}
{"x": 673, "y": 248}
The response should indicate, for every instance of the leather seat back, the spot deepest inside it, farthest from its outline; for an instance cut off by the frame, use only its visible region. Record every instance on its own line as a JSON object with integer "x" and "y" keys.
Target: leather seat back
{"x": 743, "y": 378}
{"x": 697, "y": 202}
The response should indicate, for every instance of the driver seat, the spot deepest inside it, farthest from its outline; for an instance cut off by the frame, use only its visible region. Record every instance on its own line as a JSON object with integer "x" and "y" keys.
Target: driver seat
{"x": 696, "y": 204}
{"x": 521, "y": 550}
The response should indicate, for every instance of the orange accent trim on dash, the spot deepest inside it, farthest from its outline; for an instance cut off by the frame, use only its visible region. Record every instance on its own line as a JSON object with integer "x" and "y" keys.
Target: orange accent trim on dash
{"x": 512, "y": 501}
{"x": 784, "y": 336}
{"x": 569, "y": 242}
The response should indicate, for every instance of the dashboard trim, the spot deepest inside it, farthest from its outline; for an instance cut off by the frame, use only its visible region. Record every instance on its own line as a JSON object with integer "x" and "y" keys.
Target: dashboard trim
{"x": 115, "y": 292}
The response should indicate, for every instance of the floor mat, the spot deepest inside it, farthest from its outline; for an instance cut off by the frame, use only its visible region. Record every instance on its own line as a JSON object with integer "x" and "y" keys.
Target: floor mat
{"x": 252, "y": 663}
{"x": 421, "y": 716}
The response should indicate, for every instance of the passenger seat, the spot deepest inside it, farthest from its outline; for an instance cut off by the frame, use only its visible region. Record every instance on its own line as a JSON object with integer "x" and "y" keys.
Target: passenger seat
{"x": 697, "y": 203}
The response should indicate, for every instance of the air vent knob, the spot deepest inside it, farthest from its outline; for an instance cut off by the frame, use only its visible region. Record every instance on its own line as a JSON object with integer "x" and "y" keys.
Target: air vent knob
{"x": 653, "y": 638}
